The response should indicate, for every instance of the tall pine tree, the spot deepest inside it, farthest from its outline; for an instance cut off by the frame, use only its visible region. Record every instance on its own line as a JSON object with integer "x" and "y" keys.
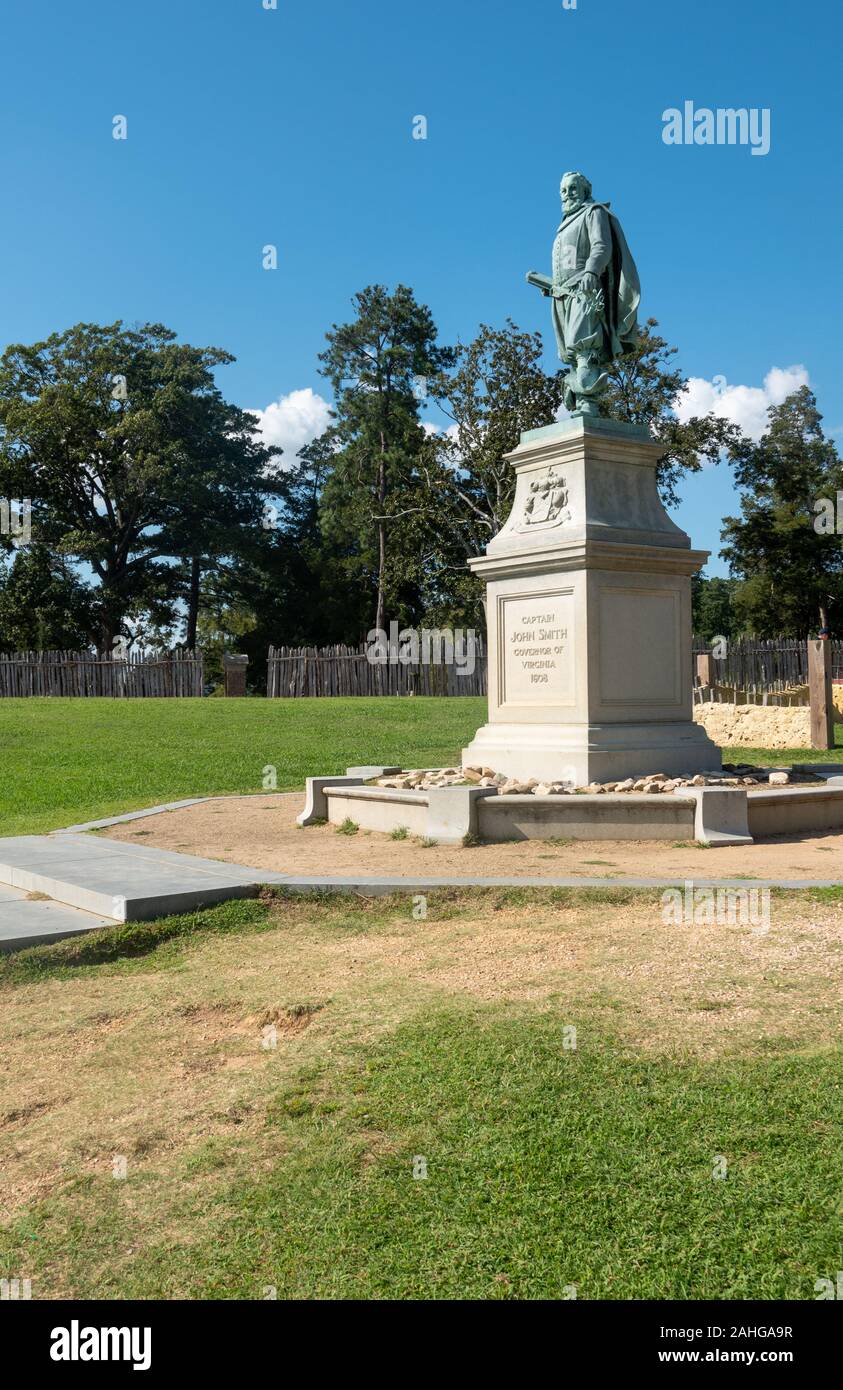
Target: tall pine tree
{"x": 381, "y": 366}
{"x": 784, "y": 547}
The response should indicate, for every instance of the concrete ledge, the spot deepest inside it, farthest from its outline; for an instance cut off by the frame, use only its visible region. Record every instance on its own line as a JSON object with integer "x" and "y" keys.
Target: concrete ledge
{"x": 448, "y": 814}
{"x": 445, "y": 814}
{"x": 378, "y": 808}
{"x": 315, "y": 805}
{"x": 377, "y": 885}
{"x": 25, "y": 922}
{"x": 584, "y": 817}
{"x": 370, "y": 770}
{"x": 402, "y": 795}
{"x": 452, "y": 812}
{"x": 721, "y": 815}
{"x": 139, "y": 908}
{"x": 793, "y": 810}
{"x": 710, "y": 815}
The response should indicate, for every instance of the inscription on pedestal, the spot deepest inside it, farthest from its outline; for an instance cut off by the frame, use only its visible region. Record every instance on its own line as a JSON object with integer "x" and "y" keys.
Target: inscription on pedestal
{"x": 536, "y": 649}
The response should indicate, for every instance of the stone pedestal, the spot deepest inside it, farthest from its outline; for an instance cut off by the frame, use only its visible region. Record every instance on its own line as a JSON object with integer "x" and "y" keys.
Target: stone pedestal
{"x": 588, "y": 591}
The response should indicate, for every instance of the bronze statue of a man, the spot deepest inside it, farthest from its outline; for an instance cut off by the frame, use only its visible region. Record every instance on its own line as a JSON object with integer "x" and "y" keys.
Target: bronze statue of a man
{"x": 595, "y": 292}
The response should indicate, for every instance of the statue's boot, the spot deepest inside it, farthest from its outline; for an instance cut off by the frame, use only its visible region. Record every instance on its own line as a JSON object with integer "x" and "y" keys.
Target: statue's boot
{"x": 590, "y": 382}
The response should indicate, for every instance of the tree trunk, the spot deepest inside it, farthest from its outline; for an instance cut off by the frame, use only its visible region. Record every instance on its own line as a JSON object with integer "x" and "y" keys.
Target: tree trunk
{"x": 113, "y": 605}
{"x": 823, "y": 607}
{"x": 380, "y": 616}
{"x": 108, "y": 631}
{"x": 193, "y": 603}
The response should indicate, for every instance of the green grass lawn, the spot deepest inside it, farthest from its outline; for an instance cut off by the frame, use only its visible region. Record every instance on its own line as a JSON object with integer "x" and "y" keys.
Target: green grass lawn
{"x": 547, "y": 1169}
{"x": 67, "y": 761}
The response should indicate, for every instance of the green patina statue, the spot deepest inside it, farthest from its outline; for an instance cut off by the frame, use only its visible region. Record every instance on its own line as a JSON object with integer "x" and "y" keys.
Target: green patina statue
{"x": 595, "y": 292}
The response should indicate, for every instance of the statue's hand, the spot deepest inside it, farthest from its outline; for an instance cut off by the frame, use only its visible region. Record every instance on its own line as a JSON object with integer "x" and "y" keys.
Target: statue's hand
{"x": 589, "y": 282}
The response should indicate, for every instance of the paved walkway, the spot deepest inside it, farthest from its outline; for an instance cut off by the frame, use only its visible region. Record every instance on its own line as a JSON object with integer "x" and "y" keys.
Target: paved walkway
{"x": 127, "y": 883}
{"x": 90, "y": 882}
{"x": 30, "y": 922}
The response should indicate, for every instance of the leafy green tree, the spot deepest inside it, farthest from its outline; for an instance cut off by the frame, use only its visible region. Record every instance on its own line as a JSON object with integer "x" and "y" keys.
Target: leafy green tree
{"x": 288, "y": 586}
{"x": 643, "y": 387}
{"x": 44, "y": 606}
{"x": 224, "y": 629}
{"x": 134, "y": 462}
{"x": 784, "y": 547}
{"x": 498, "y": 389}
{"x": 713, "y": 606}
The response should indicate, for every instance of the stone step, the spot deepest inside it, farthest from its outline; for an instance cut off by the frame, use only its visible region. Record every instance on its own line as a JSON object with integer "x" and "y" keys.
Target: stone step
{"x": 33, "y": 921}
{"x": 123, "y": 883}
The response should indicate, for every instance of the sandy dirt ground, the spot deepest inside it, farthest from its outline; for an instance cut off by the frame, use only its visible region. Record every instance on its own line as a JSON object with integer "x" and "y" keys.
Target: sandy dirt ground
{"x": 260, "y": 831}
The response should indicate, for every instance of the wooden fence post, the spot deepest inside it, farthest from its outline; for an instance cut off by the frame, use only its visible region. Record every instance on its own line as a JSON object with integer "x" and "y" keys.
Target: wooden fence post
{"x": 705, "y": 668}
{"x": 235, "y": 674}
{"x": 819, "y": 686}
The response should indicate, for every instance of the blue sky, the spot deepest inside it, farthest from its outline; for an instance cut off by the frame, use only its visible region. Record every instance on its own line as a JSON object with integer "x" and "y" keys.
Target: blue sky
{"x": 293, "y": 126}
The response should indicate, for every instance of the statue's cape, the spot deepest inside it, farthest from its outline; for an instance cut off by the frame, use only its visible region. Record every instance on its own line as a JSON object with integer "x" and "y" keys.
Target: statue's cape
{"x": 620, "y": 284}
{"x": 622, "y": 290}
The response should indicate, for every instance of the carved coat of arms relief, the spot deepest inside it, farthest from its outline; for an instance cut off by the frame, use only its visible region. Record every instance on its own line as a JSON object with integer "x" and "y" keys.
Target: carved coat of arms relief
{"x": 547, "y": 501}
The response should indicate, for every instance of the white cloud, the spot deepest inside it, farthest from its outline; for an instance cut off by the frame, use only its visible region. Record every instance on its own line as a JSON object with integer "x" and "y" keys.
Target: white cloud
{"x": 746, "y": 406}
{"x": 450, "y": 435}
{"x": 294, "y": 421}
{"x": 450, "y": 432}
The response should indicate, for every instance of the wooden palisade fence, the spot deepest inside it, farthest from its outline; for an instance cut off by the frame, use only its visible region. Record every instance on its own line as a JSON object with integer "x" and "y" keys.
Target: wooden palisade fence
{"x": 302, "y": 671}
{"x": 140, "y": 675}
{"x": 757, "y": 670}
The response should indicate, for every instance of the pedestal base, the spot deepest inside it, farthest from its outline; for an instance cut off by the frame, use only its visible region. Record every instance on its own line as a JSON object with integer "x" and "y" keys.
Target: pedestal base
{"x": 578, "y": 754}
{"x": 588, "y": 604}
